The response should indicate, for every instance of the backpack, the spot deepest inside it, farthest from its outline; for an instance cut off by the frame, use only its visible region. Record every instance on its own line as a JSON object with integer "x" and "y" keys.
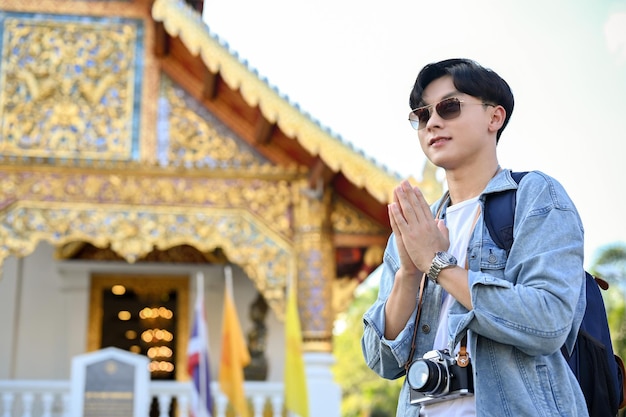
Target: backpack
{"x": 599, "y": 371}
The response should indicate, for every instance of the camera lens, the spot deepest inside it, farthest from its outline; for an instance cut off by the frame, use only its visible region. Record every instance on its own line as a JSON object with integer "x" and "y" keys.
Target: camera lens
{"x": 427, "y": 377}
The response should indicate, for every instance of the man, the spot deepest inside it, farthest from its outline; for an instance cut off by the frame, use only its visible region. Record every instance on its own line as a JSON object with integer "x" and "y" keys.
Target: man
{"x": 515, "y": 310}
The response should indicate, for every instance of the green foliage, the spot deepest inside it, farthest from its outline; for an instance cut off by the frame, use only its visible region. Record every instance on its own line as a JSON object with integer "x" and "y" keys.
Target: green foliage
{"x": 365, "y": 394}
{"x": 610, "y": 264}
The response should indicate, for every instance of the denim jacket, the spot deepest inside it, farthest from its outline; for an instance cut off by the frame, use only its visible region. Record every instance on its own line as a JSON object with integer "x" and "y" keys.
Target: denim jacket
{"x": 525, "y": 307}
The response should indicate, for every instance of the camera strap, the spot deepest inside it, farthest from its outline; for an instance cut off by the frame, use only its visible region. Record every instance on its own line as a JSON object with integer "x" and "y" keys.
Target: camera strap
{"x": 417, "y": 319}
{"x": 462, "y": 358}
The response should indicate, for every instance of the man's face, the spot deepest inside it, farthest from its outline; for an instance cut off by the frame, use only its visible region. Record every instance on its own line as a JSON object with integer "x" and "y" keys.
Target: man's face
{"x": 451, "y": 139}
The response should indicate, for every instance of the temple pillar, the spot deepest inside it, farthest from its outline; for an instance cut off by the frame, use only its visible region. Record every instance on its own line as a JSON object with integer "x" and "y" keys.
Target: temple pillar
{"x": 315, "y": 264}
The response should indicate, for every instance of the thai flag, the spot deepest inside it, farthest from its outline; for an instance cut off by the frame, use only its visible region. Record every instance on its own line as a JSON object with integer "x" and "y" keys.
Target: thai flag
{"x": 198, "y": 359}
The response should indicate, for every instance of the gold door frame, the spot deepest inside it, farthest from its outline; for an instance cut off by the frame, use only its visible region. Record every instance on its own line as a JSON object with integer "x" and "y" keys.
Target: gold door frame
{"x": 136, "y": 282}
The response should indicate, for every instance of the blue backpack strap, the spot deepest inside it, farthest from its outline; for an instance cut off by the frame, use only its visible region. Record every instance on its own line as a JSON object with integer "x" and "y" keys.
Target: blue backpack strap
{"x": 500, "y": 226}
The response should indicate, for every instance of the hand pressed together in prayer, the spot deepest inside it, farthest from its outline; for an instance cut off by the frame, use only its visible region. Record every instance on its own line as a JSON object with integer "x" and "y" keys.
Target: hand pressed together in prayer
{"x": 418, "y": 234}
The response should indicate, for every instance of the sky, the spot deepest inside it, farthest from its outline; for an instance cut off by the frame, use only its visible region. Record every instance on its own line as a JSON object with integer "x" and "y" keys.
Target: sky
{"x": 351, "y": 65}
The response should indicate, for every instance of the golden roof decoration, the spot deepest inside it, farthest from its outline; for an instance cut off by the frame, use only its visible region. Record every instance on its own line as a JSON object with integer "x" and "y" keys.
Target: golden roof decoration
{"x": 182, "y": 21}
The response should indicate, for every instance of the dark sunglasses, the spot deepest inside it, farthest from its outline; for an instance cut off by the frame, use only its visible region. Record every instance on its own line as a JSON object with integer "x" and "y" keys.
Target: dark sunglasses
{"x": 447, "y": 109}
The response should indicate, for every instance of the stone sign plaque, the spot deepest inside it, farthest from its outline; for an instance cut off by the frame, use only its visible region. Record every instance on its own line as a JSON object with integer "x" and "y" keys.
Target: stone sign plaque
{"x": 110, "y": 383}
{"x": 109, "y": 388}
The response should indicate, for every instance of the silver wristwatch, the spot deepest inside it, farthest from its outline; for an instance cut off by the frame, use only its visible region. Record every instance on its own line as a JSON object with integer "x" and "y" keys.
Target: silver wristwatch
{"x": 442, "y": 260}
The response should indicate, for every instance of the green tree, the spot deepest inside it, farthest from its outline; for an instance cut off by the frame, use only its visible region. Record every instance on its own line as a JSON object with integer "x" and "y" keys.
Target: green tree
{"x": 365, "y": 394}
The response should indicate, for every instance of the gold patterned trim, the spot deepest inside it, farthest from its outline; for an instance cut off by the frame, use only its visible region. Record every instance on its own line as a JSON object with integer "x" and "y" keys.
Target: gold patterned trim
{"x": 133, "y": 231}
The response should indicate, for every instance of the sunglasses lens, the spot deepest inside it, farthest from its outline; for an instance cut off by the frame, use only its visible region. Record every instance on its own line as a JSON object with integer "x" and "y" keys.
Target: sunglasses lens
{"x": 415, "y": 123}
{"x": 419, "y": 117}
{"x": 449, "y": 108}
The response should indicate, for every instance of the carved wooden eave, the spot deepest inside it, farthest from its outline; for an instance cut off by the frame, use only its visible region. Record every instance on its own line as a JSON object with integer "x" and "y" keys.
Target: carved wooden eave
{"x": 180, "y": 21}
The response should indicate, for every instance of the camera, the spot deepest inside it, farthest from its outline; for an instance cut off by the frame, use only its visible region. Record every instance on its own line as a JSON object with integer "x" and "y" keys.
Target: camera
{"x": 437, "y": 377}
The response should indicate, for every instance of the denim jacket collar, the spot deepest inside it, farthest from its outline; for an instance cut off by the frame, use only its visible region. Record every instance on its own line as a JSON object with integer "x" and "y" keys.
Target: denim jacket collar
{"x": 502, "y": 181}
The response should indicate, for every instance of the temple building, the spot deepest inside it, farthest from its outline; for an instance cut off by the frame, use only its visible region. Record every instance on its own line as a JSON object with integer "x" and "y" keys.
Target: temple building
{"x": 137, "y": 152}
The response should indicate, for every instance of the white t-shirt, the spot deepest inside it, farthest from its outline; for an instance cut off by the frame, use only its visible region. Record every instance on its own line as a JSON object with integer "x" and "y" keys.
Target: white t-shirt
{"x": 460, "y": 219}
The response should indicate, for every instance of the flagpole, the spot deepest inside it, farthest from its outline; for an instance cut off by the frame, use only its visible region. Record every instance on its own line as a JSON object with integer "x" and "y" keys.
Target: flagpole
{"x": 228, "y": 275}
{"x": 296, "y": 389}
{"x": 200, "y": 300}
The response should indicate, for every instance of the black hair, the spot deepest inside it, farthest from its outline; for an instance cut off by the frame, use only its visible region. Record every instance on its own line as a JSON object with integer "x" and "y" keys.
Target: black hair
{"x": 470, "y": 78}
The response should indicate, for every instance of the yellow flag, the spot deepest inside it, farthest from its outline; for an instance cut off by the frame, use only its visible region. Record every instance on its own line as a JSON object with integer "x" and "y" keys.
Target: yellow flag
{"x": 235, "y": 355}
{"x": 296, "y": 394}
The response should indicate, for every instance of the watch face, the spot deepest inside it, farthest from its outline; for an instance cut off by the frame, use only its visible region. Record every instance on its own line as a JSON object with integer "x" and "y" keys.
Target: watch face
{"x": 441, "y": 261}
{"x": 446, "y": 258}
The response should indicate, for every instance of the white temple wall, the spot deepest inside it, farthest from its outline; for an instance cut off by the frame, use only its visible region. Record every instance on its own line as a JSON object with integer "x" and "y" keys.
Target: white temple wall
{"x": 50, "y": 319}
